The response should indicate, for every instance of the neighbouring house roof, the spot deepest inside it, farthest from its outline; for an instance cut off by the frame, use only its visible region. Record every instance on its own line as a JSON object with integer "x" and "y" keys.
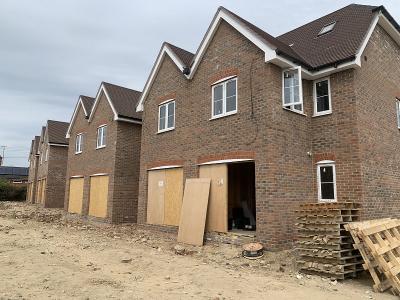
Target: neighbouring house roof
{"x": 319, "y": 55}
{"x": 87, "y": 103}
{"x": 185, "y": 56}
{"x": 14, "y": 171}
{"x": 32, "y": 145}
{"x": 41, "y": 139}
{"x": 36, "y": 145}
{"x": 124, "y": 100}
{"x": 56, "y": 132}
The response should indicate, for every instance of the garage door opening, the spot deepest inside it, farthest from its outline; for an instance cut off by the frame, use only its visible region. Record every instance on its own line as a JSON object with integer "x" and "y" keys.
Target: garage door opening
{"x": 241, "y": 197}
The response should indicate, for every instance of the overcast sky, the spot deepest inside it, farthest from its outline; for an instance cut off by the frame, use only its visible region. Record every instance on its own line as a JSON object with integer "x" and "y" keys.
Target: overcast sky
{"x": 53, "y": 51}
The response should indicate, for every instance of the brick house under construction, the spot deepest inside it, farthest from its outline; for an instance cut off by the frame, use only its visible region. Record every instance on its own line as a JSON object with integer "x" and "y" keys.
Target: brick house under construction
{"x": 52, "y": 164}
{"x": 311, "y": 115}
{"x": 103, "y": 158}
{"x": 33, "y": 168}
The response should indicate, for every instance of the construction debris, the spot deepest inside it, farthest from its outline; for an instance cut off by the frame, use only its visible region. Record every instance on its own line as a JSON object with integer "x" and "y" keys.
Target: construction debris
{"x": 324, "y": 247}
{"x": 379, "y": 245}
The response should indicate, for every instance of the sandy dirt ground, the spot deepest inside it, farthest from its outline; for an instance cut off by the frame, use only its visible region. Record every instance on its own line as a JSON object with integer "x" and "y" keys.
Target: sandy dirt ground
{"x": 45, "y": 254}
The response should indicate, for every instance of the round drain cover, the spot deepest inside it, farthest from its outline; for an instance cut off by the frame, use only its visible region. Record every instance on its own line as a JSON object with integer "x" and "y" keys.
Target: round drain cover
{"x": 253, "y": 250}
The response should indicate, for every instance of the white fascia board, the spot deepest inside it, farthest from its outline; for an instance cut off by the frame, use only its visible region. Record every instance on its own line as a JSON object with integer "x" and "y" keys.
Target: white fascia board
{"x": 74, "y": 116}
{"x": 96, "y": 102}
{"x": 164, "y": 50}
{"x": 366, "y": 39}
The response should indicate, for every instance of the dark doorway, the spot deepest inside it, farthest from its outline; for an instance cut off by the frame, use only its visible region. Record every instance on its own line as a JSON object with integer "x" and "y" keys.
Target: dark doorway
{"x": 241, "y": 197}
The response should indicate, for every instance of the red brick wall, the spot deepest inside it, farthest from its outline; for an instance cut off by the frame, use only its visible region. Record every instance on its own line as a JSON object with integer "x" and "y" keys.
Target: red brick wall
{"x": 32, "y": 177}
{"x": 377, "y": 84}
{"x": 121, "y": 151}
{"x": 54, "y": 170}
{"x": 278, "y": 140}
{"x": 55, "y": 183}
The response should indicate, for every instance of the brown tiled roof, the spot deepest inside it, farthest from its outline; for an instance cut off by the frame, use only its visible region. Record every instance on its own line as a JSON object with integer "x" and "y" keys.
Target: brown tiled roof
{"x": 341, "y": 44}
{"x": 124, "y": 100}
{"x": 185, "y": 56}
{"x": 56, "y": 132}
{"x": 87, "y": 103}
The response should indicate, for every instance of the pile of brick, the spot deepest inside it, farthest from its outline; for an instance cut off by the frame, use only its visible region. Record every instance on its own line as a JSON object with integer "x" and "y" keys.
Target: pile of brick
{"x": 324, "y": 247}
{"x": 379, "y": 244}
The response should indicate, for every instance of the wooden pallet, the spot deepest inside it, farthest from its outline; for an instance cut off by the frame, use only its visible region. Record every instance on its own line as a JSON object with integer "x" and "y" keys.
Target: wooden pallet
{"x": 381, "y": 283}
{"x": 324, "y": 247}
{"x": 383, "y": 242}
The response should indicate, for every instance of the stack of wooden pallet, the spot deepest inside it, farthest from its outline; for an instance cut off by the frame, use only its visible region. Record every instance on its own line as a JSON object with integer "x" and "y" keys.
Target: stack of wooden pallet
{"x": 324, "y": 246}
{"x": 379, "y": 245}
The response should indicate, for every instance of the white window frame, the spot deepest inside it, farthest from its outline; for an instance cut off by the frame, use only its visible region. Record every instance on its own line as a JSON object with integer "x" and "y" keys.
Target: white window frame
{"x": 320, "y": 165}
{"x": 166, "y": 104}
{"x": 79, "y": 146}
{"x": 223, "y": 82}
{"x": 291, "y": 106}
{"x": 325, "y": 112}
{"x": 46, "y": 157}
{"x": 398, "y": 112}
{"x": 103, "y": 141}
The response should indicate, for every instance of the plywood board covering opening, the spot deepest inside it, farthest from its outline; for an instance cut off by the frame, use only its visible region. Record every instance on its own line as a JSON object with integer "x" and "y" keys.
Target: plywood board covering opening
{"x": 173, "y": 194}
{"x": 155, "y": 197}
{"x": 217, "y": 214}
{"x": 98, "y": 196}
{"x": 75, "y": 195}
{"x": 194, "y": 211}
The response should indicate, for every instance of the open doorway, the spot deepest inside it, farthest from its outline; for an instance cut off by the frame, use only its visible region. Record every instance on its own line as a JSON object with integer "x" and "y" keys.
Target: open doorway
{"x": 241, "y": 197}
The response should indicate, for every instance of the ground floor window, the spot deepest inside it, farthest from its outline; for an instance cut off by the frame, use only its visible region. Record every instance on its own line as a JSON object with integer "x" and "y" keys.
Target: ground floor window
{"x": 326, "y": 175}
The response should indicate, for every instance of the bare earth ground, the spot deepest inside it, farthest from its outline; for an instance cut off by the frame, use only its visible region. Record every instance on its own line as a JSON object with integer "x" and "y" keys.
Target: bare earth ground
{"x": 45, "y": 254}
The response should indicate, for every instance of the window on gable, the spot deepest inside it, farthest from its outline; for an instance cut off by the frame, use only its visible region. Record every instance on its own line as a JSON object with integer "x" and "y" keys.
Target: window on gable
{"x": 322, "y": 97}
{"x": 166, "y": 116}
{"x": 79, "y": 143}
{"x": 224, "y": 98}
{"x": 101, "y": 136}
{"x": 398, "y": 112}
{"x": 326, "y": 182}
{"x": 327, "y": 28}
{"x": 46, "y": 158}
{"x": 292, "y": 89}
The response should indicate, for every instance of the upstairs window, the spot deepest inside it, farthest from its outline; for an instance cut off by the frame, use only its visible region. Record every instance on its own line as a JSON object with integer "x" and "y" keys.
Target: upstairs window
{"x": 292, "y": 89}
{"x": 79, "y": 143}
{"x": 166, "y": 116}
{"x": 327, "y": 28}
{"x": 46, "y": 158}
{"x": 224, "y": 98}
{"x": 101, "y": 136}
{"x": 322, "y": 97}
{"x": 326, "y": 174}
{"x": 398, "y": 112}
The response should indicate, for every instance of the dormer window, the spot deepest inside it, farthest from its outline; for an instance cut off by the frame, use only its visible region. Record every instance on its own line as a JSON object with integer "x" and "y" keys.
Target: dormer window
{"x": 327, "y": 28}
{"x": 292, "y": 89}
